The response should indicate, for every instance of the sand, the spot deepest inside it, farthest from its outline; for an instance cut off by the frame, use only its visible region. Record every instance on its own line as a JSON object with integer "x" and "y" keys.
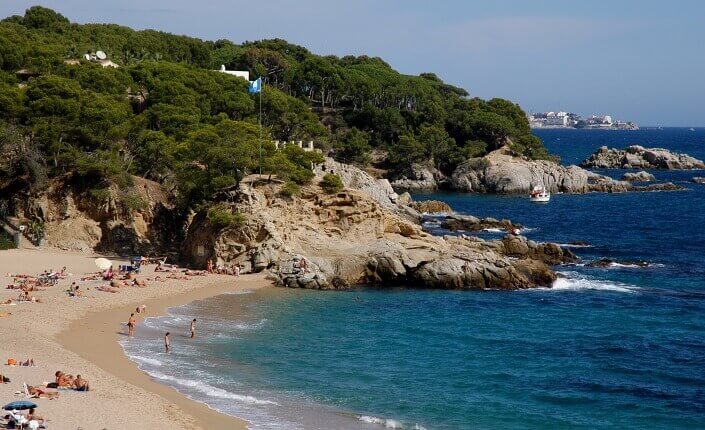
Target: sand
{"x": 80, "y": 336}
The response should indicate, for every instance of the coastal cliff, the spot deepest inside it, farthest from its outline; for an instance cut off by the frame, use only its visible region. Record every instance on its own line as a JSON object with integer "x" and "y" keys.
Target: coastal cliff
{"x": 351, "y": 237}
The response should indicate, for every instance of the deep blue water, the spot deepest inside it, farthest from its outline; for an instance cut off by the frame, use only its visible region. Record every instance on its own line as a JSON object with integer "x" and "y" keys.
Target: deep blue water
{"x": 620, "y": 347}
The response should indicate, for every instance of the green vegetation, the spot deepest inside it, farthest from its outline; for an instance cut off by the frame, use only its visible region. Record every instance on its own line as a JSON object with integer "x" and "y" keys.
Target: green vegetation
{"x": 331, "y": 183}
{"x": 220, "y": 217}
{"x": 290, "y": 189}
{"x": 6, "y": 242}
{"x": 165, "y": 115}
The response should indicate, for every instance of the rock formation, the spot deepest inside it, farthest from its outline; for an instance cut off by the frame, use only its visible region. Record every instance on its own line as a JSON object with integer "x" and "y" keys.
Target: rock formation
{"x": 431, "y": 207}
{"x": 354, "y": 238}
{"x": 418, "y": 177}
{"x": 642, "y": 176}
{"x": 84, "y": 220}
{"x": 471, "y": 223}
{"x": 500, "y": 172}
{"x": 638, "y": 157}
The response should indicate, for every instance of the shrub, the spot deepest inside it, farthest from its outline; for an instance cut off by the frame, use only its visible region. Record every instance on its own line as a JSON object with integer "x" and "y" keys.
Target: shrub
{"x": 290, "y": 189}
{"x": 331, "y": 183}
{"x": 221, "y": 218}
{"x": 6, "y": 242}
{"x": 133, "y": 202}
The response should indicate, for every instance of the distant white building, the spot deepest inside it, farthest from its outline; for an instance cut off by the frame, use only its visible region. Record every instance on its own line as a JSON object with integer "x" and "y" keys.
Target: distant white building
{"x": 556, "y": 119}
{"x": 239, "y": 73}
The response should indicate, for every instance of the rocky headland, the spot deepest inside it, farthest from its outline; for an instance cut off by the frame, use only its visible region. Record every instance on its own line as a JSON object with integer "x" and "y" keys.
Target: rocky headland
{"x": 503, "y": 173}
{"x": 638, "y": 157}
{"x": 360, "y": 237}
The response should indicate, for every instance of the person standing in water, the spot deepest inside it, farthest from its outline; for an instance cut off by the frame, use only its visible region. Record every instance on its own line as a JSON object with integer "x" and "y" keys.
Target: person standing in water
{"x": 131, "y": 325}
{"x": 167, "y": 342}
{"x": 193, "y": 328}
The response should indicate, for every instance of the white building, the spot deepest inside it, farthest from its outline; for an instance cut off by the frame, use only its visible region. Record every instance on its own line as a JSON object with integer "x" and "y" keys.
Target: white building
{"x": 556, "y": 119}
{"x": 240, "y": 74}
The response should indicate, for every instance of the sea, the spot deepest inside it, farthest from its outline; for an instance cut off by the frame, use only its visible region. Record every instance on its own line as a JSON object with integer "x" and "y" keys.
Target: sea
{"x": 621, "y": 346}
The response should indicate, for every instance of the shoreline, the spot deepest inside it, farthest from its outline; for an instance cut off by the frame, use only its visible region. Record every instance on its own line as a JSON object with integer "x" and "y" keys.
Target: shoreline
{"x": 81, "y": 336}
{"x": 96, "y": 338}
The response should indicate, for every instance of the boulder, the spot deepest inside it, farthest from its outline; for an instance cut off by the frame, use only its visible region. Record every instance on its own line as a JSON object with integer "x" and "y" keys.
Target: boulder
{"x": 418, "y": 177}
{"x": 431, "y": 206}
{"x": 457, "y": 222}
{"x": 642, "y": 176}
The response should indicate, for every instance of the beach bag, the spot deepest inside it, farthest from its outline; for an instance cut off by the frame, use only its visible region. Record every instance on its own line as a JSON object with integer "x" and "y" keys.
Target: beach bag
{"x": 52, "y": 385}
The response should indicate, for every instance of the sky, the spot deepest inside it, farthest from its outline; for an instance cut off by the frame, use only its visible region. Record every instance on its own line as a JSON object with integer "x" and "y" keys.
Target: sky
{"x": 640, "y": 60}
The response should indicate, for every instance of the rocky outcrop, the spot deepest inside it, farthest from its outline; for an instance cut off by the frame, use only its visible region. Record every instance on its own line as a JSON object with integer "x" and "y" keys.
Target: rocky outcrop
{"x": 638, "y": 157}
{"x": 351, "y": 238}
{"x": 418, "y": 177}
{"x": 642, "y": 176}
{"x": 431, "y": 207}
{"x": 139, "y": 220}
{"x": 502, "y": 173}
{"x": 470, "y": 223}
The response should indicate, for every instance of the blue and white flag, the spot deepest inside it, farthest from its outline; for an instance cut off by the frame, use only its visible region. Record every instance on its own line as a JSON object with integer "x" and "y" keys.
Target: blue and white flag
{"x": 255, "y": 86}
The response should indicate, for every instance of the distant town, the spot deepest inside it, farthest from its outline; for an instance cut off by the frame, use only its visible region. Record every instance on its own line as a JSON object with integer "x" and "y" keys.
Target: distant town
{"x": 572, "y": 120}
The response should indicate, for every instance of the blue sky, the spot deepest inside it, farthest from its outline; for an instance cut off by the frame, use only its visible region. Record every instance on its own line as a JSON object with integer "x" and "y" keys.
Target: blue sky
{"x": 637, "y": 60}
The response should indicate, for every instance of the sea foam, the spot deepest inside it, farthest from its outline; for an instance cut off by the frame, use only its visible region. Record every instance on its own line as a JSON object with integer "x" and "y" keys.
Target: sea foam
{"x": 209, "y": 390}
{"x": 386, "y": 422}
{"x": 577, "y": 284}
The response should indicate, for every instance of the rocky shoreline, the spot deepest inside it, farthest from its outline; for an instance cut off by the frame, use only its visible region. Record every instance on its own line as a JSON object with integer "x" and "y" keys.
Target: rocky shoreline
{"x": 359, "y": 237}
{"x": 501, "y": 172}
{"x": 638, "y": 157}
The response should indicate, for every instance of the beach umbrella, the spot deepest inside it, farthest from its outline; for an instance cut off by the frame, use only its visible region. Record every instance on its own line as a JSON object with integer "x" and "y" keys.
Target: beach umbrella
{"x": 103, "y": 263}
{"x": 19, "y": 405}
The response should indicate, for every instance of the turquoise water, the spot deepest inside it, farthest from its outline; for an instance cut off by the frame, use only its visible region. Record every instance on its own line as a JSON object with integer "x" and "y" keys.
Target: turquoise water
{"x": 622, "y": 346}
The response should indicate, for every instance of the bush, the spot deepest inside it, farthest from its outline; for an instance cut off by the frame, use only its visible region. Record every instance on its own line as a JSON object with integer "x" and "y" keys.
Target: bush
{"x": 6, "y": 243}
{"x": 290, "y": 189}
{"x": 221, "y": 218}
{"x": 331, "y": 183}
{"x": 133, "y": 202}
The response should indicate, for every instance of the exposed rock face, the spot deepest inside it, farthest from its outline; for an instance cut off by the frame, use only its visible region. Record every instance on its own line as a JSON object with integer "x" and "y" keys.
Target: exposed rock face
{"x": 642, "y": 176}
{"x": 79, "y": 221}
{"x": 351, "y": 238}
{"x": 502, "y": 173}
{"x": 638, "y": 157}
{"x": 431, "y": 206}
{"x": 418, "y": 177}
{"x": 698, "y": 180}
{"x": 471, "y": 223}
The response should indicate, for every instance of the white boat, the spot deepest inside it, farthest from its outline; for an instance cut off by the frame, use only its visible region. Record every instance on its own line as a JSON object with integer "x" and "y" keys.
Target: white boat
{"x": 539, "y": 195}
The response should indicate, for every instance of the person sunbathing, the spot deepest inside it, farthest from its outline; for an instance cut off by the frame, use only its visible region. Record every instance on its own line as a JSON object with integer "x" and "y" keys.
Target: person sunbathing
{"x": 136, "y": 283}
{"x": 42, "y": 394}
{"x": 81, "y": 384}
{"x": 7, "y": 302}
{"x": 106, "y": 289}
{"x": 63, "y": 380}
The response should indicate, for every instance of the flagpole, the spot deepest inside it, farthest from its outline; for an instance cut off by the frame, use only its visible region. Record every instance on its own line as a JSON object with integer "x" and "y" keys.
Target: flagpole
{"x": 260, "y": 129}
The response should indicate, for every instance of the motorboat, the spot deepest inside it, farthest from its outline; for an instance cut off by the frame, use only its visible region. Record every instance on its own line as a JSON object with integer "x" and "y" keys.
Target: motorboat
{"x": 539, "y": 194}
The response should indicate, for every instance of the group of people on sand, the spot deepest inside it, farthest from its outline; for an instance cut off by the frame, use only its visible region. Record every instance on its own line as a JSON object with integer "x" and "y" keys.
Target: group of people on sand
{"x": 222, "y": 269}
{"x": 64, "y": 380}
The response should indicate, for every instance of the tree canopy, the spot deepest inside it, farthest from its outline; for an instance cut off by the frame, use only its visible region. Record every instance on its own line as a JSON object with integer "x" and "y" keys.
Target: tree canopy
{"x": 167, "y": 115}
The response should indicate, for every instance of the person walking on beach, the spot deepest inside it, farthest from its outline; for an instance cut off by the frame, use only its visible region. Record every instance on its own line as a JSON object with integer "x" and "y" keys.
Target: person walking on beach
{"x": 131, "y": 325}
{"x": 167, "y": 342}
{"x": 193, "y": 328}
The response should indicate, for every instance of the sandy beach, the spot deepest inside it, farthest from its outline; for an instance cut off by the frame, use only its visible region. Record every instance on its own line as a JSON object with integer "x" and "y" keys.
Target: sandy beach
{"x": 80, "y": 336}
